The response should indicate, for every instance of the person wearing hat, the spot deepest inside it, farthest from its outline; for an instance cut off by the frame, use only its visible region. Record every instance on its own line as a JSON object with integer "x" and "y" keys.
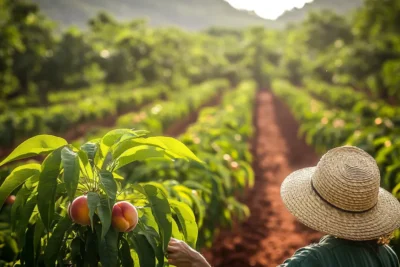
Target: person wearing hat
{"x": 341, "y": 197}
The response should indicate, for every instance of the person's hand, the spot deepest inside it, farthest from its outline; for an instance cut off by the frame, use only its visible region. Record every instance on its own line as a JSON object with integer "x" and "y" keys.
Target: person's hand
{"x": 181, "y": 254}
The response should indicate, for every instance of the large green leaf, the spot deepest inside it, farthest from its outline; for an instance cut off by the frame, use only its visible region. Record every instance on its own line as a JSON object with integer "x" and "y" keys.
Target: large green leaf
{"x": 90, "y": 149}
{"x": 91, "y": 250}
{"x": 48, "y": 185}
{"x": 104, "y": 212}
{"x": 198, "y": 204}
{"x": 108, "y": 249}
{"x": 177, "y": 147}
{"x": 111, "y": 137}
{"x": 70, "y": 162}
{"x": 23, "y": 221}
{"x": 139, "y": 153}
{"x": 76, "y": 251}
{"x": 17, "y": 177}
{"x": 108, "y": 184}
{"x": 56, "y": 241}
{"x": 174, "y": 147}
{"x": 153, "y": 238}
{"x": 187, "y": 221}
{"x": 28, "y": 251}
{"x": 27, "y": 190}
{"x": 34, "y": 146}
{"x": 84, "y": 164}
{"x": 176, "y": 233}
{"x": 143, "y": 249}
{"x": 93, "y": 202}
{"x": 160, "y": 209}
{"x": 125, "y": 254}
{"x": 39, "y": 230}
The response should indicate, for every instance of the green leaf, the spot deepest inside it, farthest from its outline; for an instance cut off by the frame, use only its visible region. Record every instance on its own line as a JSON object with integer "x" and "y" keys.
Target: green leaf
{"x": 56, "y": 241}
{"x": 26, "y": 213}
{"x": 17, "y": 177}
{"x": 108, "y": 249}
{"x": 175, "y": 146}
{"x": 34, "y": 146}
{"x": 93, "y": 202}
{"x": 22, "y": 196}
{"x": 39, "y": 230}
{"x": 76, "y": 250}
{"x": 125, "y": 254}
{"x": 139, "y": 153}
{"x": 84, "y": 164}
{"x": 90, "y": 149}
{"x": 108, "y": 184}
{"x": 153, "y": 238}
{"x": 91, "y": 250}
{"x": 160, "y": 209}
{"x": 104, "y": 212}
{"x": 187, "y": 221}
{"x": 48, "y": 185}
{"x": 70, "y": 162}
{"x": 111, "y": 137}
{"x": 28, "y": 252}
{"x": 143, "y": 249}
{"x": 176, "y": 233}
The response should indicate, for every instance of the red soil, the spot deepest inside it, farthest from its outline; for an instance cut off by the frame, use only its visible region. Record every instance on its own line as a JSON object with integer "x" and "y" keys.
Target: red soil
{"x": 271, "y": 234}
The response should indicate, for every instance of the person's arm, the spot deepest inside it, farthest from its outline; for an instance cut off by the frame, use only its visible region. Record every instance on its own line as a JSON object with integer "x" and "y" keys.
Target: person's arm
{"x": 181, "y": 254}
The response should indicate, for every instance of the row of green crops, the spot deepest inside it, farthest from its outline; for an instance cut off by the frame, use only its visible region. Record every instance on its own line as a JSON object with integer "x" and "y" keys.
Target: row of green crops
{"x": 220, "y": 137}
{"x": 376, "y": 129}
{"x": 20, "y": 124}
{"x": 323, "y": 128}
{"x": 173, "y": 191}
{"x": 345, "y": 98}
{"x": 157, "y": 116}
{"x": 23, "y": 101}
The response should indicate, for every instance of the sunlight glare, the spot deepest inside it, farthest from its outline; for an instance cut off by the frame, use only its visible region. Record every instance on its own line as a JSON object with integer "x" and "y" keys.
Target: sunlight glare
{"x": 267, "y": 9}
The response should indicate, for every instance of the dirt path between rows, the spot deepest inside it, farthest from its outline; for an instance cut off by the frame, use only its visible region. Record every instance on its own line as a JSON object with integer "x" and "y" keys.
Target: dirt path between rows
{"x": 271, "y": 234}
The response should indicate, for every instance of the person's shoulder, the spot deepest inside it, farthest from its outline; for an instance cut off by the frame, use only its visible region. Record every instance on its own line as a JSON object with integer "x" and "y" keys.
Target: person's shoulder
{"x": 391, "y": 256}
{"x": 306, "y": 256}
{"x": 314, "y": 255}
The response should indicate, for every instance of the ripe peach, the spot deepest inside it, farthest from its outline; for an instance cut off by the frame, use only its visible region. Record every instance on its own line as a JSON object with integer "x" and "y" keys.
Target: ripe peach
{"x": 79, "y": 211}
{"x": 10, "y": 200}
{"x": 124, "y": 216}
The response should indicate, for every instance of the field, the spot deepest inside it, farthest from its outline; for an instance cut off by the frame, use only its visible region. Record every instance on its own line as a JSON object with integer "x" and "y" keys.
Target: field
{"x": 110, "y": 146}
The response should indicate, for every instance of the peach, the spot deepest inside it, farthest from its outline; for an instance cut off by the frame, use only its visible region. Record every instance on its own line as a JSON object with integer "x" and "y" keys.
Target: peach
{"x": 124, "y": 216}
{"x": 79, "y": 211}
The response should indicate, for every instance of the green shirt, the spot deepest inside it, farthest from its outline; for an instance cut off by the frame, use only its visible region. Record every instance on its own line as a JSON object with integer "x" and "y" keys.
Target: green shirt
{"x": 336, "y": 252}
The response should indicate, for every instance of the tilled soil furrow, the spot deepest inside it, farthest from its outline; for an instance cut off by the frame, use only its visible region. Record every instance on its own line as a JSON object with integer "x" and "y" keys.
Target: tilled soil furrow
{"x": 271, "y": 234}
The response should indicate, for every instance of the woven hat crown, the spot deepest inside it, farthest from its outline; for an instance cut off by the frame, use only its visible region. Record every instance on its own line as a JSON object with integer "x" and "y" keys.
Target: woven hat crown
{"x": 348, "y": 178}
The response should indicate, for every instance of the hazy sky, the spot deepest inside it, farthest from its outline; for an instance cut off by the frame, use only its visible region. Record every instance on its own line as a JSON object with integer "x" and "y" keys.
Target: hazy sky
{"x": 269, "y": 9}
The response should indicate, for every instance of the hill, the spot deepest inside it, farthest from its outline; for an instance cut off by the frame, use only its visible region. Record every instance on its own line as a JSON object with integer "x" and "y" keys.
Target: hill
{"x": 338, "y": 6}
{"x": 189, "y": 14}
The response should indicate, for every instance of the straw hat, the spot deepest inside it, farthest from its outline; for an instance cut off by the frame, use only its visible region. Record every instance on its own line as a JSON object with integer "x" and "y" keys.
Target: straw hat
{"x": 341, "y": 196}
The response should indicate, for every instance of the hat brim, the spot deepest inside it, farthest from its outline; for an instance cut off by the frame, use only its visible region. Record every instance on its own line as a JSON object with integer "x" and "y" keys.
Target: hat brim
{"x": 304, "y": 203}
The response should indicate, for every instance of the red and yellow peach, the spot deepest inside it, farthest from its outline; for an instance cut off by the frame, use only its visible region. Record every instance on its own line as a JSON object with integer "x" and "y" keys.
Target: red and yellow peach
{"x": 78, "y": 210}
{"x": 124, "y": 216}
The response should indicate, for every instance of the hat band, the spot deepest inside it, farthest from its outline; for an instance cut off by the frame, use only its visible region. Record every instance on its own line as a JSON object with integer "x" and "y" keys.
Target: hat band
{"x": 338, "y": 208}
